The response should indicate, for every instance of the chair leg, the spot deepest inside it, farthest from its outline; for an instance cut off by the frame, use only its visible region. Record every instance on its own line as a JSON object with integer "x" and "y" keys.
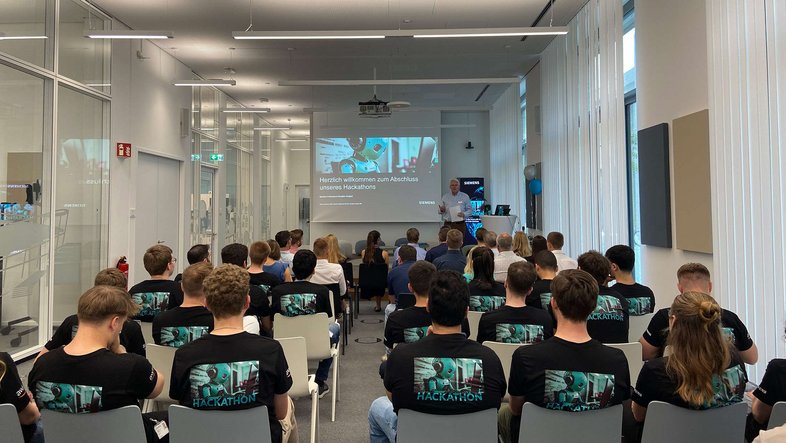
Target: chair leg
{"x": 335, "y": 388}
{"x": 314, "y": 416}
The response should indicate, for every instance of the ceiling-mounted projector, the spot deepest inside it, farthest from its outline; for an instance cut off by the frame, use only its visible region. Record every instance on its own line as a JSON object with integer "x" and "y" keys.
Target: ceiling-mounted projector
{"x": 374, "y": 108}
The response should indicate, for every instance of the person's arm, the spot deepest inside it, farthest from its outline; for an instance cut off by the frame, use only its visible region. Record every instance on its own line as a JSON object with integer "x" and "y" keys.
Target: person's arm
{"x": 281, "y": 405}
{"x": 159, "y": 385}
{"x": 639, "y": 412}
{"x": 386, "y": 257}
{"x": 516, "y": 403}
{"x": 29, "y": 414}
{"x": 648, "y": 352}
{"x": 761, "y": 411}
{"x": 267, "y": 323}
{"x": 750, "y": 355}
{"x": 287, "y": 275}
{"x": 40, "y": 353}
{"x": 342, "y": 283}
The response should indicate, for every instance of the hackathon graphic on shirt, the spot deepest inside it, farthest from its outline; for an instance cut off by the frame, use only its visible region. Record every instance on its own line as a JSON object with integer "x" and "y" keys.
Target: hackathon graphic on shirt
{"x": 412, "y": 335}
{"x": 485, "y": 303}
{"x": 639, "y": 305}
{"x": 545, "y": 300}
{"x": 448, "y": 379}
{"x": 608, "y": 308}
{"x": 293, "y": 305}
{"x": 224, "y": 385}
{"x": 151, "y": 303}
{"x": 63, "y": 397}
{"x": 177, "y": 336}
{"x": 577, "y": 391}
{"x": 519, "y": 333}
{"x": 729, "y": 388}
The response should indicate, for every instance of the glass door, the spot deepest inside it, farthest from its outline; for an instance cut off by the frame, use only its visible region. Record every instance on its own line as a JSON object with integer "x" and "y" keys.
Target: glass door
{"x": 206, "y": 229}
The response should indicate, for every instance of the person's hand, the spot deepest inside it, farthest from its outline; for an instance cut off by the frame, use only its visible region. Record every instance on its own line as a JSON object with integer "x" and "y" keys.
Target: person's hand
{"x": 116, "y": 347}
{"x": 460, "y": 214}
{"x": 441, "y": 209}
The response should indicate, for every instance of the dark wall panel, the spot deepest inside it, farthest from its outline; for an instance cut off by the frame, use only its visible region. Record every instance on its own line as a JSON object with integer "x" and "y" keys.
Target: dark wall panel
{"x": 654, "y": 186}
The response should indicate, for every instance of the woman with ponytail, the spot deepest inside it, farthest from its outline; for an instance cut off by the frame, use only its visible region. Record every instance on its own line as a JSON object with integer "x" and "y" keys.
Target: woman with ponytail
{"x": 703, "y": 369}
{"x": 12, "y": 391}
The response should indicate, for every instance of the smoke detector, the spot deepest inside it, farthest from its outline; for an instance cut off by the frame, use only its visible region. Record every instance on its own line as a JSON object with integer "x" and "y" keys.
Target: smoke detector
{"x": 399, "y": 104}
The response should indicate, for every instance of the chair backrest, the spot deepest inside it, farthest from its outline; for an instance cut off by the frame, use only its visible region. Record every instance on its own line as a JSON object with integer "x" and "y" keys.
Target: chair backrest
{"x": 9, "y": 423}
{"x": 478, "y": 426}
{"x": 147, "y": 330}
{"x": 346, "y": 248}
{"x": 473, "y": 317}
{"x": 405, "y": 300}
{"x": 360, "y": 246}
{"x": 161, "y": 358}
{"x": 373, "y": 275}
{"x": 465, "y": 249}
{"x": 349, "y": 273}
{"x": 547, "y": 426}
{"x": 632, "y": 352}
{"x": 188, "y": 425}
{"x": 122, "y": 425}
{"x": 669, "y": 423}
{"x": 400, "y": 241}
{"x": 314, "y": 328}
{"x": 295, "y": 352}
{"x": 335, "y": 299}
{"x": 505, "y": 353}
{"x": 778, "y": 415}
{"x": 637, "y": 325}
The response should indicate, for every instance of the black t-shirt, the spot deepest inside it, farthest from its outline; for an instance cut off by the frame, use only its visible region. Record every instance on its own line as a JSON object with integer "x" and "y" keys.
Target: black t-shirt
{"x": 515, "y": 325}
{"x": 301, "y": 298}
{"x": 98, "y": 381}
{"x": 658, "y": 330}
{"x": 12, "y": 392}
{"x": 264, "y": 280}
{"x": 654, "y": 383}
{"x": 484, "y": 300}
{"x": 180, "y": 325}
{"x": 608, "y": 323}
{"x": 773, "y": 386}
{"x": 131, "y": 336}
{"x": 231, "y": 372}
{"x": 260, "y": 305}
{"x": 155, "y": 296}
{"x": 410, "y": 325}
{"x": 444, "y": 374}
{"x": 540, "y": 295}
{"x": 641, "y": 299}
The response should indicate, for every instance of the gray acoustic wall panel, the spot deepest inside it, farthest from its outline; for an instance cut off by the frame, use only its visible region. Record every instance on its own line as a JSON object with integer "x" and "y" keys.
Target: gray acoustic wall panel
{"x": 654, "y": 186}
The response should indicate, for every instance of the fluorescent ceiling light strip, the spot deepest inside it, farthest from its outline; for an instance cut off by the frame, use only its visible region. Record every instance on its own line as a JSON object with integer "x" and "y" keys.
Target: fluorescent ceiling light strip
{"x": 205, "y": 83}
{"x": 416, "y": 33}
{"x": 246, "y": 110}
{"x": 4, "y": 36}
{"x": 130, "y": 34}
{"x": 489, "y": 32}
{"x": 306, "y": 35}
{"x": 296, "y": 139}
{"x": 394, "y": 82}
{"x": 274, "y": 128}
{"x": 98, "y": 85}
{"x": 300, "y": 149}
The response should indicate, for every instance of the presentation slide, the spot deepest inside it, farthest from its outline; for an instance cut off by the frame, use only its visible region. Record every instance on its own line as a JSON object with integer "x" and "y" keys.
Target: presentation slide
{"x": 368, "y": 179}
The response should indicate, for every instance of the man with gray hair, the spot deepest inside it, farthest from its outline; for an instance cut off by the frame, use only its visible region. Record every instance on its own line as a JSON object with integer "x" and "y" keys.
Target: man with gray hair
{"x": 505, "y": 258}
{"x": 490, "y": 239}
{"x": 455, "y": 207}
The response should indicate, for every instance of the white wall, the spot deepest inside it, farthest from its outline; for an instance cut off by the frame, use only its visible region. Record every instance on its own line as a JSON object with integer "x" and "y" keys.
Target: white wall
{"x": 146, "y": 113}
{"x": 671, "y": 81}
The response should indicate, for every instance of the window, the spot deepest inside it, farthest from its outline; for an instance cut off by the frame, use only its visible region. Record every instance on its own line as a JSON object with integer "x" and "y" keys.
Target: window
{"x": 631, "y": 131}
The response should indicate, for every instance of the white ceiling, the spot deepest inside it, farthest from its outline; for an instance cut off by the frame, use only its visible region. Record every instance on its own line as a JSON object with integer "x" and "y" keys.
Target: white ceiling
{"x": 203, "y": 36}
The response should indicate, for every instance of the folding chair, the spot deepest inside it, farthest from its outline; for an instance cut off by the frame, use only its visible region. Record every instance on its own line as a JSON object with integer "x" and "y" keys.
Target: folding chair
{"x": 122, "y": 425}
{"x": 147, "y": 330}
{"x": 9, "y": 423}
{"x": 672, "y": 424}
{"x": 637, "y": 325}
{"x": 778, "y": 415}
{"x": 314, "y": 329}
{"x": 505, "y": 353}
{"x": 161, "y": 358}
{"x": 188, "y": 425}
{"x": 417, "y": 427}
{"x": 632, "y": 352}
{"x": 334, "y": 289}
{"x": 473, "y": 317}
{"x": 303, "y": 384}
{"x": 349, "y": 275}
{"x": 541, "y": 425}
{"x": 400, "y": 241}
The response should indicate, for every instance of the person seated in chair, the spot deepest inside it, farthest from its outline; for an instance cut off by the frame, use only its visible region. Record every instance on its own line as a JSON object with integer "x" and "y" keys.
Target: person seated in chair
{"x": 13, "y": 392}
{"x": 237, "y": 254}
{"x": 609, "y": 321}
{"x": 771, "y": 390}
{"x": 486, "y": 294}
{"x": 641, "y": 299}
{"x": 398, "y": 277}
{"x": 452, "y": 259}
{"x": 190, "y": 320}
{"x": 159, "y": 293}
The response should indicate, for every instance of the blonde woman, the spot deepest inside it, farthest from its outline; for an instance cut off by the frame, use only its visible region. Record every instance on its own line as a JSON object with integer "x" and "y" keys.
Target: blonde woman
{"x": 521, "y": 245}
{"x": 469, "y": 271}
{"x": 334, "y": 250}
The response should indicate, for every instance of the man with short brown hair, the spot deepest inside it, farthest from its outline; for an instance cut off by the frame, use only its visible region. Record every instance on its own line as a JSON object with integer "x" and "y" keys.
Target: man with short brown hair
{"x": 159, "y": 293}
{"x": 439, "y": 250}
{"x": 555, "y": 242}
{"x": 453, "y": 259}
{"x": 413, "y": 237}
{"x": 191, "y": 320}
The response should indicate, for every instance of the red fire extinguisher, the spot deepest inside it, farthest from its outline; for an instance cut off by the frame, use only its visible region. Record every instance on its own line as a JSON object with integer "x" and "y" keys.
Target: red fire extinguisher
{"x": 122, "y": 265}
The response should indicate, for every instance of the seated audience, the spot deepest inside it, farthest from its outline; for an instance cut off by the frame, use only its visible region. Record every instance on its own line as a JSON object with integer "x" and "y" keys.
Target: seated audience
{"x": 702, "y": 371}
{"x": 521, "y": 246}
{"x": 398, "y": 279}
{"x": 295, "y": 240}
{"x": 334, "y": 250}
{"x": 284, "y": 240}
{"x": 131, "y": 337}
{"x": 515, "y": 322}
{"x": 641, "y": 299}
{"x": 539, "y": 244}
{"x": 301, "y": 297}
{"x": 695, "y": 277}
{"x": 554, "y": 242}
{"x": 373, "y": 254}
{"x": 197, "y": 253}
{"x": 771, "y": 390}
{"x": 441, "y": 248}
{"x": 570, "y": 371}
{"x": 237, "y": 254}
{"x": 413, "y": 236}
{"x": 12, "y": 392}
{"x": 433, "y": 364}
{"x": 275, "y": 267}
{"x": 469, "y": 270}
{"x": 609, "y": 322}
{"x": 480, "y": 235}
{"x": 258, "y": 253}
{"x": 546, "y": 268}
{"x": 485, "y": 294}
{"x": 191, "y": 320}
{"x": 327, "y": 273}
{"x": 505, "y": 257}
{"x": 490, "y": 239}
{"x": 452, "y": 259}
{"x": 230, "y": 369}
{"x": 94, "y": 373}
{"x": 159, "y": 293}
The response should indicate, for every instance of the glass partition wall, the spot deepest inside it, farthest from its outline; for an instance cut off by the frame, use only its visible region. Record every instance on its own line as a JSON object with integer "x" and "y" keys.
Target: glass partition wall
{"x": 54, "y": 174}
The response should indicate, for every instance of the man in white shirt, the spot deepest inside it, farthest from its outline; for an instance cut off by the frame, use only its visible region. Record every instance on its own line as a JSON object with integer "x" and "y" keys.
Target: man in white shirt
{"x": 327, "y": 273}
{"x": 505, "y": 258}
{"x": 459, "y": 200}
{"x": 413, "y": 236}
{"x": 555, "y": 241}
{"x": 284, "y": 240}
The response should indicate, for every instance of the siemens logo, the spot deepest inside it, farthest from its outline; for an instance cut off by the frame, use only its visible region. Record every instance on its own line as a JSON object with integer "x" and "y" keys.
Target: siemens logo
{"x": 472, "y": 183}
{"x": 427, "y": 202}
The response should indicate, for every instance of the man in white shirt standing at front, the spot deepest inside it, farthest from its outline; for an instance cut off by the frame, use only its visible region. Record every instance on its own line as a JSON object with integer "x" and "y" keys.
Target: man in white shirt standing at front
{"x": 327, "y": 273}
{"x": 458, "y": 200}
{"x": 555, "y": 241}
{"x": 505, "y": 258}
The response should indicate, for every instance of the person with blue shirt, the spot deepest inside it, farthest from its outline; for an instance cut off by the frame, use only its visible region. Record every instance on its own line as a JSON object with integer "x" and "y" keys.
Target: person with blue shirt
{"x": 441, "y": 248}
{"x": 453, "y": 259}
{"x": 452, "y": 199}
{"x": 398, "y": 279}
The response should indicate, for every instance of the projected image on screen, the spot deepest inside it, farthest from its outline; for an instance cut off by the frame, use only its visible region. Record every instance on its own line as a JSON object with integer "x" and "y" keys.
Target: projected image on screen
{"x": 376, "y": 178}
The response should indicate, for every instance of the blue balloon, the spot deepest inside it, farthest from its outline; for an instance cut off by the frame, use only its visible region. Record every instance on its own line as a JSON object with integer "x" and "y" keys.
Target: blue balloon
{"x": 535, "y": 186}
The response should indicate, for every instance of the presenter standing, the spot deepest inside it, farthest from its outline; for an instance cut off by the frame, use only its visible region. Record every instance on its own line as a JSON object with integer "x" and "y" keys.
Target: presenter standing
{"x": 455, "y": 205}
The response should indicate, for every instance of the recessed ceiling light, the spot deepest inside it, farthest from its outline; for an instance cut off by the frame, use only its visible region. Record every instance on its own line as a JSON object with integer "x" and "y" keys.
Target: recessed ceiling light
{"x": 273, "y": 128}
{"x": 4, "y": 36}
{"x": 213, "y": 82}
{"x": 129, "y": 34}
{"x": 246, "y": 110}
{"x": 416, "y": 33}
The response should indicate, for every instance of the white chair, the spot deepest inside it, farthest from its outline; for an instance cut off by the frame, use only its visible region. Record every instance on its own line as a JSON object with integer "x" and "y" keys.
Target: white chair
{"x": 314, "y": 329}
{"x": 541, "y": 425}
{"x": 161, "y": 358}
{"x": 147, "y": 331}
{"x": 778, "y": 415}
{"x": 672, "y": 424}
{"x": 473, "y": 317}
{"x": 303, "y": 384}
{"x": 9, "y": 423}
{"x": 188, "y": 425}
{"x": 122, "y": 425}
{"x": 417, "y": 427}
{"x": 632, "y": 352}
{"x": 637, "y": 325}
{"x": 505, "y": 353}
